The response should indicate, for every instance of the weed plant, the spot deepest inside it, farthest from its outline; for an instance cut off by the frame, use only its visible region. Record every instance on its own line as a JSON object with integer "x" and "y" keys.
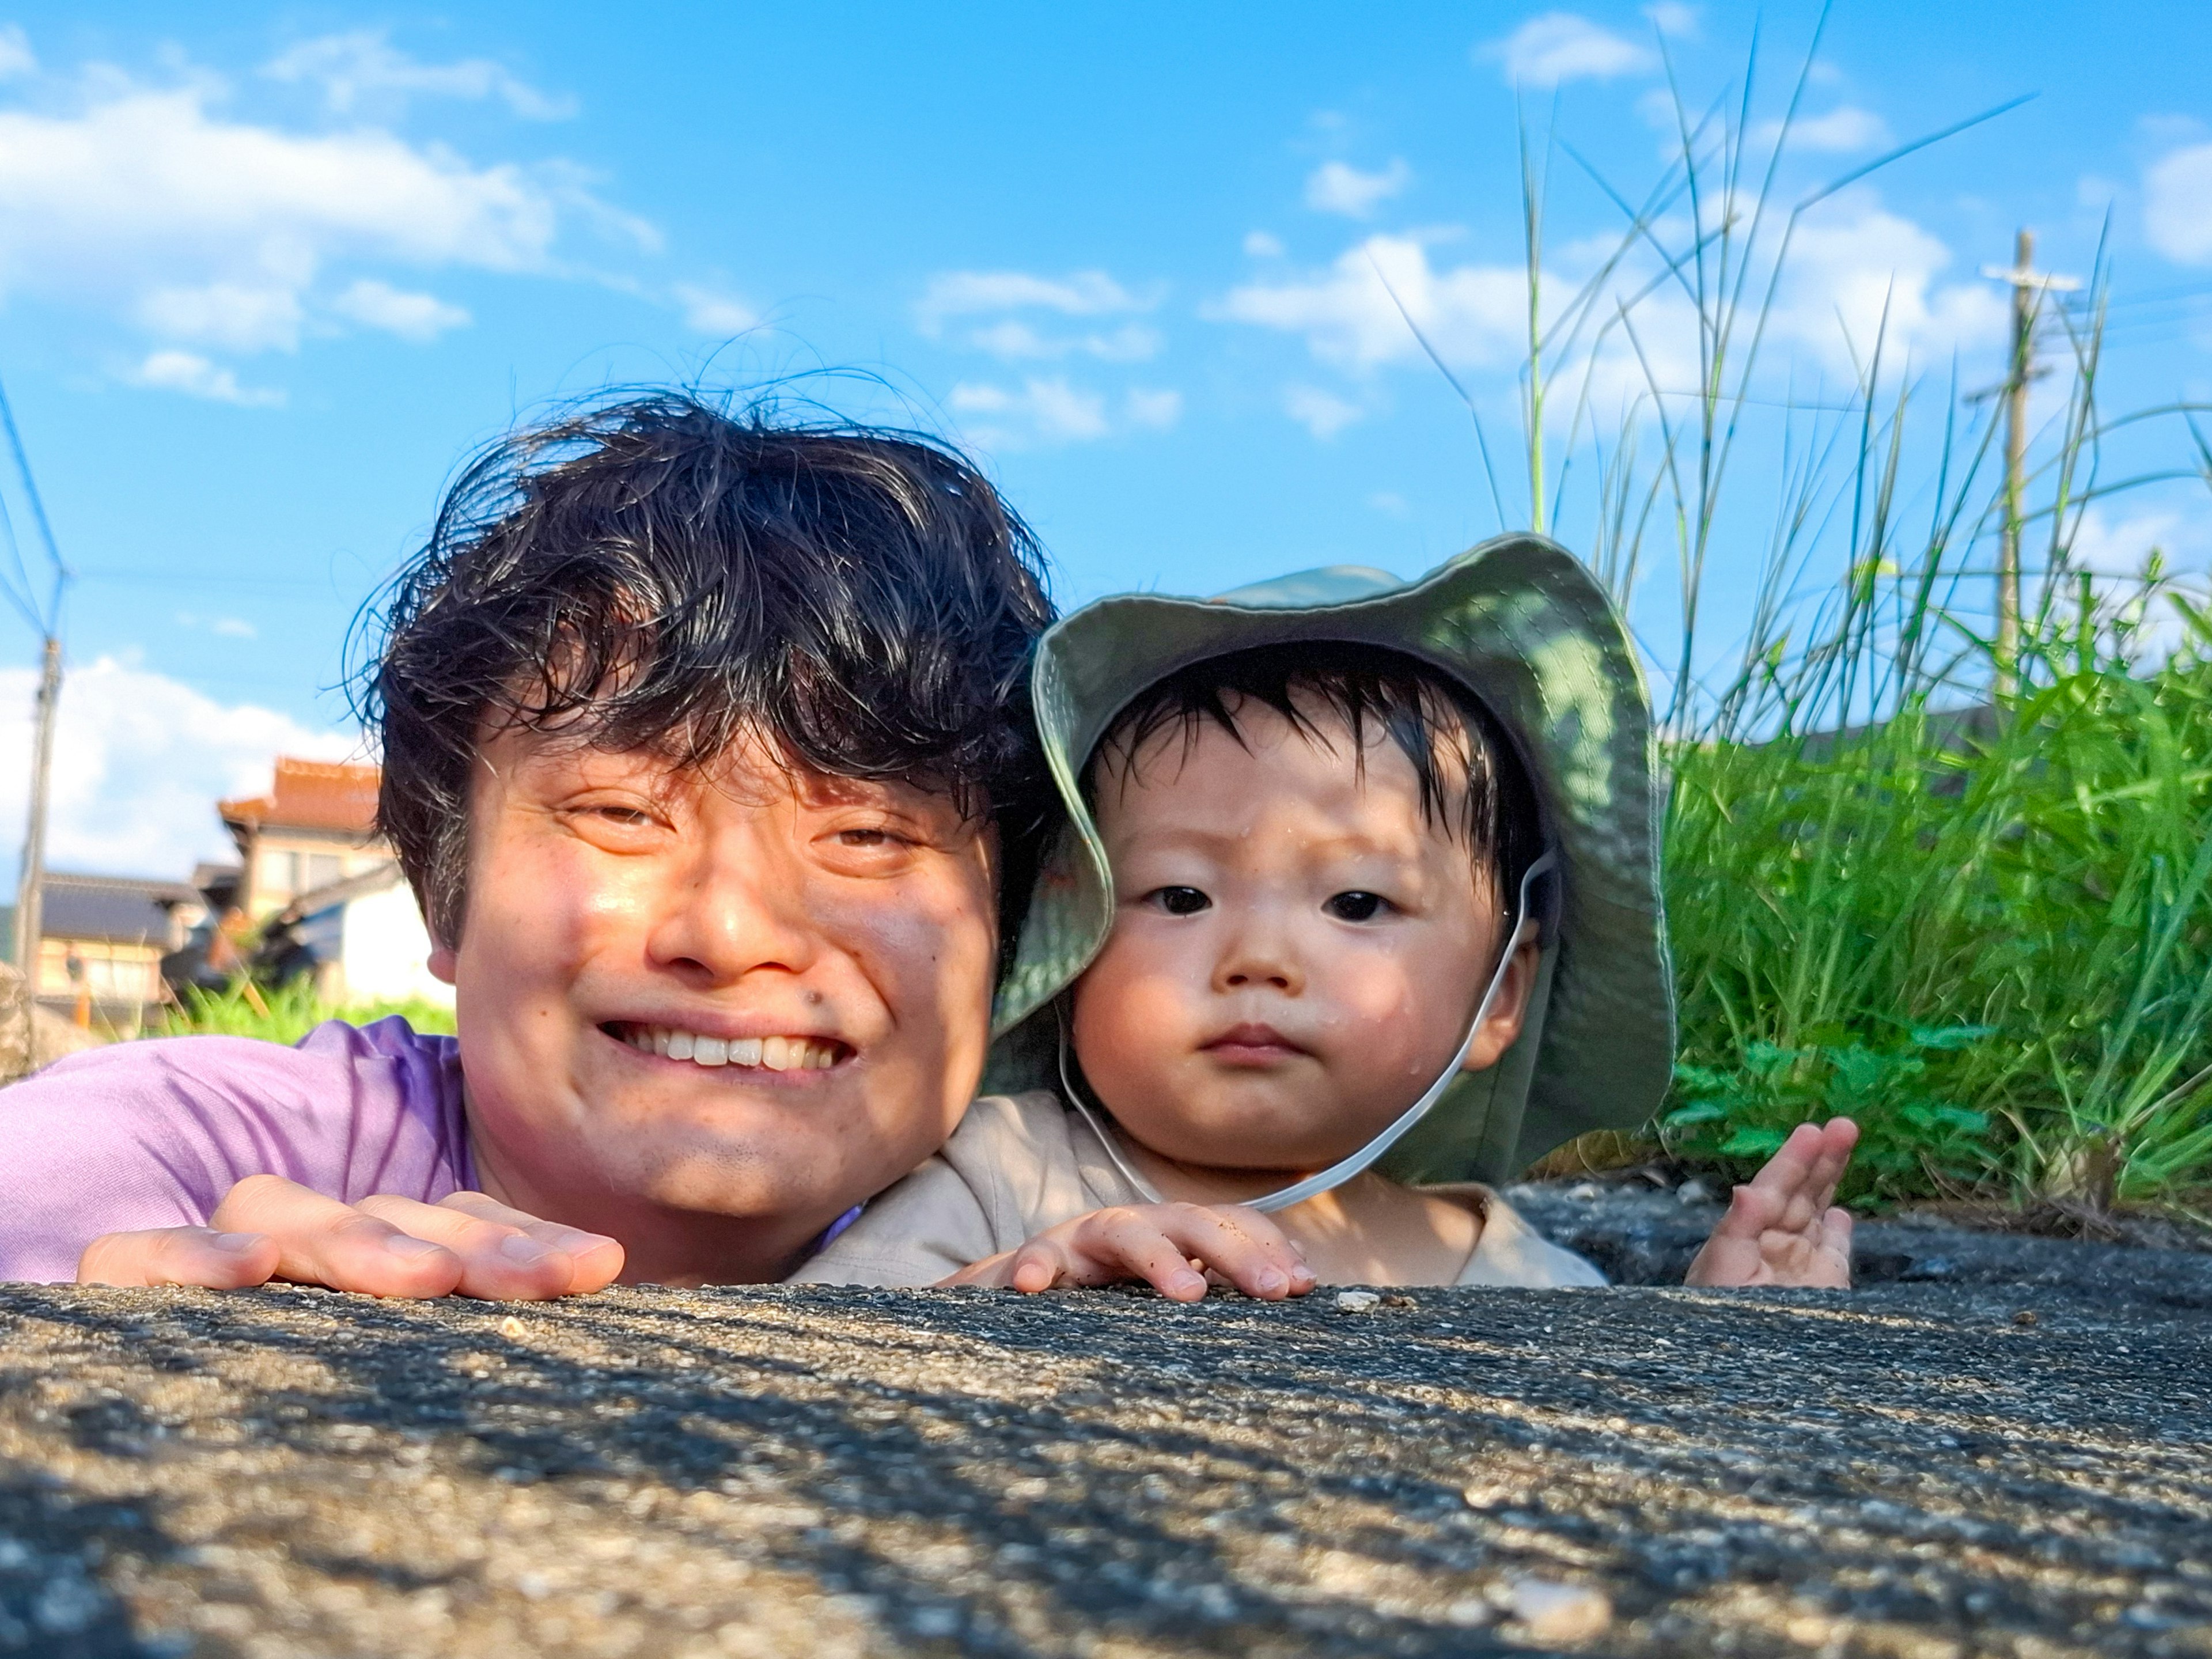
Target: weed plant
{"x": 287, "y": 1012}
{"x": 1967, "y": 901}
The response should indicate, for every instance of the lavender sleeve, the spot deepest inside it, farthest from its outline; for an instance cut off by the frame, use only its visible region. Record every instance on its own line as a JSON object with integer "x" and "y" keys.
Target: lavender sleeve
{"x": 154, "y": 1134}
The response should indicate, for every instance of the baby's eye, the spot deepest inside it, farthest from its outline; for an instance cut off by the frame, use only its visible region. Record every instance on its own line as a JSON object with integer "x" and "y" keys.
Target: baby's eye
{"x": 1180, "y": 901}
{"x": 1355, "y": 907}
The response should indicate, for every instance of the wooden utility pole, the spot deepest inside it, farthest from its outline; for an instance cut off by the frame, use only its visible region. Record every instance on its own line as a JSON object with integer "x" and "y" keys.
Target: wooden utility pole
{"x": 46, "y": 618}
{"x": 2027, "y": 284}
{"x": 30, "y": 895}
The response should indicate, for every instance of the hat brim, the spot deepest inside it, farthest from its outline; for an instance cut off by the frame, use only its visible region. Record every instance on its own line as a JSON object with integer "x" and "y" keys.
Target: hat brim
{"x": 1524, "y": 626}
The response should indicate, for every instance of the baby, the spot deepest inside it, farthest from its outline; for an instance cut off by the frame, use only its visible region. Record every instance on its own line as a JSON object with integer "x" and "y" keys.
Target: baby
{"x": 1382, "y": 893}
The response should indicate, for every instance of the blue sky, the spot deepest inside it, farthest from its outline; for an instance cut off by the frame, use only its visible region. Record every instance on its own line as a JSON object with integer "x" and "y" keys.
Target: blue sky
{"x": 267, "y": 274}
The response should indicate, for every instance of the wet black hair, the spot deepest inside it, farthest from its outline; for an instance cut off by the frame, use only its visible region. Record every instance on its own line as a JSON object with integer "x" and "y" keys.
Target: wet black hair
{"x": 662, "y": 572}
{"x": 1472, "y": 783}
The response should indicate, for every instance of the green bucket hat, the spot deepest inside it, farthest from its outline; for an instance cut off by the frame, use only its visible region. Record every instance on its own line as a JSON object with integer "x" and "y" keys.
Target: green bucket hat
{"x": 1522, "y": 625}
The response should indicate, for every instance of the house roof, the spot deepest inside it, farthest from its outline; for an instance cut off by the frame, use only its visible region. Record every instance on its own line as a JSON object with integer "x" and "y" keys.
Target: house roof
{"x": 116, "y": 908}
{"x": 330, "y": 795}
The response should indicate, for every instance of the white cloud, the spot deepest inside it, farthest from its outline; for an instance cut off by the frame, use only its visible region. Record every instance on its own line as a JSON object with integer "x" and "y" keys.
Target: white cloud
{"x": 1014, "y": 340}
{"x": 1337, "y": 187}
{"x": 1259, "y": 245}
{"x": 205, "y": 233}
{"x": 710, "y": 311}
{"x": 1474, "y": 314}
{"x": 1853, "y": 264}
{"x": 230, "y": 315}
{"x": 1858, "y": 272}
{"x": 363, "y": 71}
{"x": 1561, "y": 46}
{"x": 196, "y": 377}
{"x": 1321, "y": 413}
{"x": 15, "y": 55}
{"x": 418, "y": 316}
{"x": 2178, "y": 204}
{"x": 234, "y": 628}
{"x": 1389, "y": 502}
{"x": 1157, "y": 407}
{"x": 140, "y": 760}
{"x": 972, "y": 292}
{"x": 1843, "y": 130}
{"x": 1052, "y": 412}
{"x": 1669, "y": 17}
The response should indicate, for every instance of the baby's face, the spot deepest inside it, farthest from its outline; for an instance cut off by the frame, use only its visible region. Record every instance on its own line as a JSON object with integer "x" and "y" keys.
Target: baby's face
{"x": 1295, "y": 952}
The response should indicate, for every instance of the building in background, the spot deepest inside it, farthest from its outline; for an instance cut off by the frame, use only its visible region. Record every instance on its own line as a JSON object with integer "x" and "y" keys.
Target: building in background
{"x": 361, "y": 939}
{"x": 315, "y": 827}
{"x": 325, "y": 889}
{"x": 101, "y": 942}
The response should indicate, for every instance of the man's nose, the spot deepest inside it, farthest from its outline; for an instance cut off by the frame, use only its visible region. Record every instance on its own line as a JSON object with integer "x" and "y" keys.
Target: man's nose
{"x": 736, "y": 910}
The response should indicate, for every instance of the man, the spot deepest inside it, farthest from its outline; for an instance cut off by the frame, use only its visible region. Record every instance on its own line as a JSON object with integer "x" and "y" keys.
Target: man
{"x": 707, "y": 751}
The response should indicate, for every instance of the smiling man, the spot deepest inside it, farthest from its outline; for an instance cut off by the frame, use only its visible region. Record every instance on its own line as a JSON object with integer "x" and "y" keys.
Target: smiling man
{"x": 706, "y": 751}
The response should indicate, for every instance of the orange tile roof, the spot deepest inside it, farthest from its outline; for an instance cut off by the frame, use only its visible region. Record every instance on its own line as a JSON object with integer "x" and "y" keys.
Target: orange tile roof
{"x": 311, "y": 795}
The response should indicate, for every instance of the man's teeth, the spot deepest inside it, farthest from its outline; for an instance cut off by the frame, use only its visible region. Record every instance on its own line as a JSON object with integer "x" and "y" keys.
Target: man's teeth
{"x": 776, "y": 1053}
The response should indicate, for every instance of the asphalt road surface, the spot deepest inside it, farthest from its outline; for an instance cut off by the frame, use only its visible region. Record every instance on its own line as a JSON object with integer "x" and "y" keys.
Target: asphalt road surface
{"x": 1909, "y": 1470}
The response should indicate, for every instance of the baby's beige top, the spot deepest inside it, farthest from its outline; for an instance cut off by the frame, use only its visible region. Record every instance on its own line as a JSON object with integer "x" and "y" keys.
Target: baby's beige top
{"x": 1020, "y": 1163}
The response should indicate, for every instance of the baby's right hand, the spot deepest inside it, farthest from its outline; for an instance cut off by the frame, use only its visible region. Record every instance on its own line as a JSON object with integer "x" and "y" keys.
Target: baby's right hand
{"x": 1157, "y": 1243}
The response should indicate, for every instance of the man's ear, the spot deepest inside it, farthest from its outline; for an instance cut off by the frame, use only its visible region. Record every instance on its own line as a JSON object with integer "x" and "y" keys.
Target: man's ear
{"x": 1509, "y": 1010}
{"x": 441, "y": 962}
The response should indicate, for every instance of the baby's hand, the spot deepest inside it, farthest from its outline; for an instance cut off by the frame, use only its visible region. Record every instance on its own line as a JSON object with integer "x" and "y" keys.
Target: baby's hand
{"x": 1782, "y": 1228}
{"x": 1158, "y": 1244}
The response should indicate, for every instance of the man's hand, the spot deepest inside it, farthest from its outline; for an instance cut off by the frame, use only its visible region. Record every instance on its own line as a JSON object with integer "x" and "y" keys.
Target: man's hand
{"x": 1158, "y": 1244}
{"x": 268, "y": 1228}
{"x": 1783, "y": 1228}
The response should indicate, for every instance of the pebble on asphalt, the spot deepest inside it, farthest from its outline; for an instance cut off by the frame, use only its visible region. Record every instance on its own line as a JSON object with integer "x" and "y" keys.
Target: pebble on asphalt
{"x": 1553, "y": 1612}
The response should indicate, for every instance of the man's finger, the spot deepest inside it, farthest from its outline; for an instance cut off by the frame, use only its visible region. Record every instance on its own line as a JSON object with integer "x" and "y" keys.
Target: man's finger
{"x": 199, "y": 1256}
{"x": 1792, "y": 1162}
{"x": 1836, "y": 1238}
{"x": 323, "y": 1242}
{"x": 498, "y": 1262}
{"x": 598, "y": 1259}
{"x": 1838, "y": 1135}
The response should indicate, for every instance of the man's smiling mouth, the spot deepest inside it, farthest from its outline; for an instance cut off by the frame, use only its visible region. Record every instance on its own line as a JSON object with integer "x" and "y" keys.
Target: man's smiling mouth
{"x": 773, "y": 1054}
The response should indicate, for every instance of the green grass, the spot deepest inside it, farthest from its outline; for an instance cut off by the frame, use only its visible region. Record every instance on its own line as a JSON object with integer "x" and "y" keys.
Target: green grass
{"x": 288, "y": 1012}
{"x": 2020, "y": 925}
{"x": 1990, "y": 940}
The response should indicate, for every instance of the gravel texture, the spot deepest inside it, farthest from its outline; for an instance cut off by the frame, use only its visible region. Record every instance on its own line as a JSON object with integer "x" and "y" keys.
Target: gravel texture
{"x": 1912, "y": 1470}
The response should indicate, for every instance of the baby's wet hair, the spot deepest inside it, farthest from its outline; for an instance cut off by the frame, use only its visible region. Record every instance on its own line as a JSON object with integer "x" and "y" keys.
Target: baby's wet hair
{"x": 1473, "y": 784}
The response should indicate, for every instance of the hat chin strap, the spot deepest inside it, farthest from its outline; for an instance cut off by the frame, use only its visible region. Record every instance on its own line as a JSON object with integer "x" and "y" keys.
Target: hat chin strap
{"x": 1338, "y": 1173}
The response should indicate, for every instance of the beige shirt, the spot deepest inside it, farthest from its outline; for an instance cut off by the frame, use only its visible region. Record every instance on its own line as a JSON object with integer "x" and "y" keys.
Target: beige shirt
{"x": 1020, "y": 1163}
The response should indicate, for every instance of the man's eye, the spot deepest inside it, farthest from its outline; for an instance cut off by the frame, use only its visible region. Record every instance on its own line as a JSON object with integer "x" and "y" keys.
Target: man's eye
{"x": 863, "y": 837}
{"x": 1180, "y": 901}
{"x": 1355, "y": 907}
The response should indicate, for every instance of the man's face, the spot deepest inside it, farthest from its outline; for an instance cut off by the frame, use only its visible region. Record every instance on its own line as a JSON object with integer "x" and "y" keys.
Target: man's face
{"x": 708, "y": 1010}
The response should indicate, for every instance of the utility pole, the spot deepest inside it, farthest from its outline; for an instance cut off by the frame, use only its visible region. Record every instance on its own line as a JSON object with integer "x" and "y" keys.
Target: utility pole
{"x": 2028, "y": 285}
{"x": 30, "y": 895}
{"x": 46, "y": 619}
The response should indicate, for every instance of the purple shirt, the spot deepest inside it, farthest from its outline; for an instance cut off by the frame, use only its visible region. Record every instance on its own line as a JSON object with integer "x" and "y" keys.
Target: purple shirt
{"x": 153, "y": 1134}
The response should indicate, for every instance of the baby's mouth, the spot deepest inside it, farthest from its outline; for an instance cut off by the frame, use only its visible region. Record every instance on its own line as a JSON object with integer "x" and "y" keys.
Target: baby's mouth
{"x": 771, "y": 1054}
{"x": 1252, "y": 1045}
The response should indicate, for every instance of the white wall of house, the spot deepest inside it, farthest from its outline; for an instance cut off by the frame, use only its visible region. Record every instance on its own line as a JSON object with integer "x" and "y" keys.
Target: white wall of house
{"x": 386, "y": 950}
